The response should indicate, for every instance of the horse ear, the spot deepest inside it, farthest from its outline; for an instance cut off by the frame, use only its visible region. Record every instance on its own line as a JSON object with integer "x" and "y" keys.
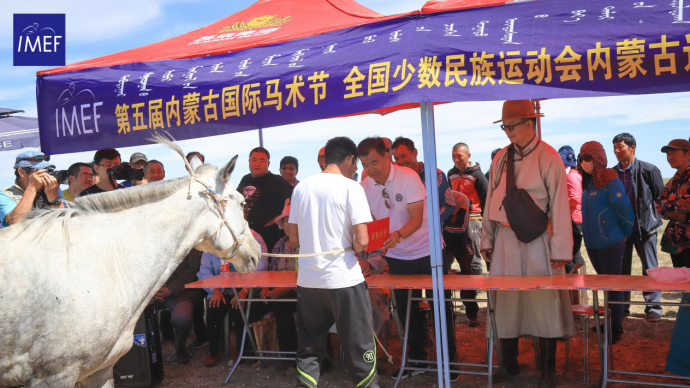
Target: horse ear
{"x": 224, "y": 174}
{"x": 195, "y": 162}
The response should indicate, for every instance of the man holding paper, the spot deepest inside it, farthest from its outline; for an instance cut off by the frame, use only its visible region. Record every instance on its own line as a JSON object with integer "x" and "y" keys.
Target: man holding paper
{"x": 398, "y": 193}
{"x": 330, "y": 286}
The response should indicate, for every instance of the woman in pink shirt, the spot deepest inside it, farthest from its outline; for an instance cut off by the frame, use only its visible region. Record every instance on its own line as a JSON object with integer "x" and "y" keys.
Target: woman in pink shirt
{"x": 574, "y": 180}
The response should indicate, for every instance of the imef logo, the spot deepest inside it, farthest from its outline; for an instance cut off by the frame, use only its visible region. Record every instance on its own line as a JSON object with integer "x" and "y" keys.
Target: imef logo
{"x": 39, "y": 40}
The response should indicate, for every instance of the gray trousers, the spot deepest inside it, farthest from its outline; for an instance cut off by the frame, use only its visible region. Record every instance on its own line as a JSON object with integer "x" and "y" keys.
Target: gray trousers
{"x": 474, "y": 230}
{"x": 350, "y": 309}
{"x": 646, "y": 249}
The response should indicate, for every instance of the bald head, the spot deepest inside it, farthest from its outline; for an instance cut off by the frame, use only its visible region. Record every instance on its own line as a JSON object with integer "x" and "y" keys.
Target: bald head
{"x": 461, "y": 156}
{"x": 463, "y": 145}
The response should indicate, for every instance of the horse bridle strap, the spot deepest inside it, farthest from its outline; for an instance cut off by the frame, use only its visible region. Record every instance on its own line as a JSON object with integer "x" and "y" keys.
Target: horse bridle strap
{"x": 220, "y": 203}
{"x": 331, "y": 252}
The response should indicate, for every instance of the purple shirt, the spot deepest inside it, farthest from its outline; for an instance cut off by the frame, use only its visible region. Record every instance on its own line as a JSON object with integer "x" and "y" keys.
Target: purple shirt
{"x": 626, "y": 177}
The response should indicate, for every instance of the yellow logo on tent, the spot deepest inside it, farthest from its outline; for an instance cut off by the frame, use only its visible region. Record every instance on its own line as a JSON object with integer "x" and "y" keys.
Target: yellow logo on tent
{"x": 258, "y": 22}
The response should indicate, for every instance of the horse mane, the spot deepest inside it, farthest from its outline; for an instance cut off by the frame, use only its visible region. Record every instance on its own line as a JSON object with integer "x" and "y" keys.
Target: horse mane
{"x": 113, "y": 201}
{"x": 109, "y": 202}
{"x": 102, "y": 203}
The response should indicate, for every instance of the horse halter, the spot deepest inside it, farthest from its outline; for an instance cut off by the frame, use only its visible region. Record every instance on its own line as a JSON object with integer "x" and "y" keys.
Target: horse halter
{"x": 220, "y": 203}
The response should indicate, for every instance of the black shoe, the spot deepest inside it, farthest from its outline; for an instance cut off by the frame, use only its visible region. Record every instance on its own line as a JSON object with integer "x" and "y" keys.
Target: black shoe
{"x": 653, "y": 317}
{"x": 410, "y": 373}
{"x": 182, "y": 359}
{"x": 626, "y": 313}
{"x": 473, "y": 322}
{"x": 168, "y": 335}
{"x": 509, "y": 356}
{"x": 327, "y": 366}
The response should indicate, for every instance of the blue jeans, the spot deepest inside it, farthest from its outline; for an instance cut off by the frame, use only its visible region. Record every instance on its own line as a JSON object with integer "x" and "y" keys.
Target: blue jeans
{"x": 609, "y": 261}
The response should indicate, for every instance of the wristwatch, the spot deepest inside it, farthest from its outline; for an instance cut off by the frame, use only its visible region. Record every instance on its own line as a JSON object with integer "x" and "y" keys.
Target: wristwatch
{"x": 400, "y": 238}
{"x": 56, "y": 202}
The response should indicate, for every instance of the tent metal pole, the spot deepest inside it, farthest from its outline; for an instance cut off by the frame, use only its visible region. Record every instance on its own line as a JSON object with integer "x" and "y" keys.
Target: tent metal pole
{"x": 432, "y": 203}
{"x": 261, "y": 137}
{"x": 537, "y": 108}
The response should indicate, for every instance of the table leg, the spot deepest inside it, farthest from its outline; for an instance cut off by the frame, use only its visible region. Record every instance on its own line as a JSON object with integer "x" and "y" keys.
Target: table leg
{"x": 606, "y": 337}
{"x": 609, "y": 340}
{"x": 245, "y": 333}
{"x": 585, "y": 357}
{"x": 396, "y": 317}
{"x": 490, "y": 350}
{"x": 603, "y": 378}
{"x": 404, "y": 343}
{"x": 237, "y": 361}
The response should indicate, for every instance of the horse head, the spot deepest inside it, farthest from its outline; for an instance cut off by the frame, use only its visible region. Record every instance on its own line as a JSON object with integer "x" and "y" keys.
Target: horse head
{"x": 234, "y": 241}
{"x": 231, "y": 238}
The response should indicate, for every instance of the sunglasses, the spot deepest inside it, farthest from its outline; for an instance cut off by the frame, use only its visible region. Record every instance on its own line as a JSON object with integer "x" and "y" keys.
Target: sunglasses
{"x": 36, "y": 159}
{"x": 511, "y": 128}
{"x": 585, "y": 158}
{"x": 386, "y": 199}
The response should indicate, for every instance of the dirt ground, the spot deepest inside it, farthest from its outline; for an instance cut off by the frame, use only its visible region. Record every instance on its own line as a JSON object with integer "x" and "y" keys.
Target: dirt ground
{"x": 643, "y": 347}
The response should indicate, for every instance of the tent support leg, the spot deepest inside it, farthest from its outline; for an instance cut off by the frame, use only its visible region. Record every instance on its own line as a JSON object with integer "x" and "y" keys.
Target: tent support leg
{"x": 432, "y": 203}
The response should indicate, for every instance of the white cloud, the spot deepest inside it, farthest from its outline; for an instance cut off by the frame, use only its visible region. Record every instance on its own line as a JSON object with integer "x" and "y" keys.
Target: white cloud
{"x": 387, "y": 7}
{"x": 14, "y": 93}
{"x": 86, "y": 21}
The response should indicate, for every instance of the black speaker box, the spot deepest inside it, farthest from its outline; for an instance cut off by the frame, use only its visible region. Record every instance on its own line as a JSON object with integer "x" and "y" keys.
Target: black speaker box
{"x": 142, "y": 366}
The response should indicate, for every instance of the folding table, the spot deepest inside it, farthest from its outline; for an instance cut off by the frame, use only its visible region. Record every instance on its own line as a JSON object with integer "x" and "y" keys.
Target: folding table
{"x": 608, "y": 283}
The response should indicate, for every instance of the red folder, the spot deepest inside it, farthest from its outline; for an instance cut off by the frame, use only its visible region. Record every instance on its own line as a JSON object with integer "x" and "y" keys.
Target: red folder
{"x": 378, "y": 233}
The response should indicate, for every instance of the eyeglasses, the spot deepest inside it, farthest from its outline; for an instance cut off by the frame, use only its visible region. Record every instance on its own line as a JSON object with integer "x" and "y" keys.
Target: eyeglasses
{"x": 36, "y": 159}
{"x": 108, "y": 165}
{"x": 585, "y": 158}
{"x": 511, "y": 128}
{"x": 85, "y": 175}
{"x": 386, "y": 199}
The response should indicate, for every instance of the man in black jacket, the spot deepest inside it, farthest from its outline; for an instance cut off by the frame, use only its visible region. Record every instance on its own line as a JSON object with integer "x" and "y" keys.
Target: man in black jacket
{"x": 643, "y": 185}
{"x": 265, "y": 194}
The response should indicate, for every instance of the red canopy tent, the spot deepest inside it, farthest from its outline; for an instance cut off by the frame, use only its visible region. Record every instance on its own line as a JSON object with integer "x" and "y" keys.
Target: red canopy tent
{"x": 263, "y": 23}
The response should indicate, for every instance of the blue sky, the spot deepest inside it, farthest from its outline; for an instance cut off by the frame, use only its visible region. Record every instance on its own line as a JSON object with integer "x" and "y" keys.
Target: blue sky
{"x": 103, "y": 27}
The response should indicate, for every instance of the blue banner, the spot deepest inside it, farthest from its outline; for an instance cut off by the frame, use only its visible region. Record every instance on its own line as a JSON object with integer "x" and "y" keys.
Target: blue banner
{"x": 554, "y": 49}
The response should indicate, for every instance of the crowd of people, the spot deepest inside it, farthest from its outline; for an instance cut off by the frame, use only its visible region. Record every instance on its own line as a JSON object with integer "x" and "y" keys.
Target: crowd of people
{"x": 528, "y": 215}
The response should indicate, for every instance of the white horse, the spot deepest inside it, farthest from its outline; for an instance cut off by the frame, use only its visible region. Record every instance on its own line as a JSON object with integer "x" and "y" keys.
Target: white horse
{"x": 73, "y": 282}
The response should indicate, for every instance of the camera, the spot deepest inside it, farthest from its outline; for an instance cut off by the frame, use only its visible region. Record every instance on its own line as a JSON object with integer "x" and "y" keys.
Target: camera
{"x": 62, "y": 176}
{"x": 125, "y": 172}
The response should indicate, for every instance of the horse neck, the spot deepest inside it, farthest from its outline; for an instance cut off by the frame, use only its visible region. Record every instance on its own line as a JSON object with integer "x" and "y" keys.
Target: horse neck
{"x": 154, "y": 240}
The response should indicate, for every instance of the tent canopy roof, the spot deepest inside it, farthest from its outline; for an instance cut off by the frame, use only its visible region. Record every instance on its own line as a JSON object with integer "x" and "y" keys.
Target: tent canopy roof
{"x": 263, "y": 23}
{"x": 9, "y": 111}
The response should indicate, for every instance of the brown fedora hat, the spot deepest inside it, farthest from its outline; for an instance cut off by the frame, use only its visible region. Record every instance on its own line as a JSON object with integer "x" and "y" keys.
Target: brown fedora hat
{"x": 676, "y": 144}
{"x": 518, "y": 109}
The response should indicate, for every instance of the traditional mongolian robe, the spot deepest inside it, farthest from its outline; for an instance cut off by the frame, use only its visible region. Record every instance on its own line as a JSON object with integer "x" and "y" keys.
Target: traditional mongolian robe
{"x": 543, "y": 313}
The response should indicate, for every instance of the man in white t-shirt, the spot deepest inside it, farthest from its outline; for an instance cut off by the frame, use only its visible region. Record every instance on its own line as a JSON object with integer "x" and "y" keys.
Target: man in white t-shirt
{"x": 328, "y": 212}
{"x": 398, "y": 193}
